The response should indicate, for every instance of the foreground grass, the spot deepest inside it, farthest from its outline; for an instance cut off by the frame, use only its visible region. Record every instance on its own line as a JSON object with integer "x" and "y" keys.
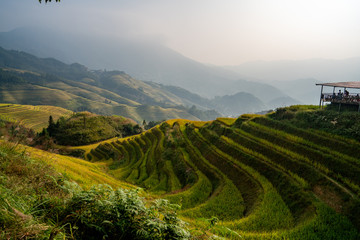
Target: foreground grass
{"x": 38, "y": 202}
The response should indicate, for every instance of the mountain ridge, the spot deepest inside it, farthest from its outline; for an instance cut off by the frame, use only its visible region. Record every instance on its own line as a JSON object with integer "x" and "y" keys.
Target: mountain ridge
{"x": 100, "y": 90}
{"x": 48, "y": 82}
{"x": 144, "y": 60}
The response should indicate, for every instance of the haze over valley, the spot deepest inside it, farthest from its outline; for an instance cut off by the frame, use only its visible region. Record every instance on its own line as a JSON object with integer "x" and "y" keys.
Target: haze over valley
{"x": 273, "y": 83}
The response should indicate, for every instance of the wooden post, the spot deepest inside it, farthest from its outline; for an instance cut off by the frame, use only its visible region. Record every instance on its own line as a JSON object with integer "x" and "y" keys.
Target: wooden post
{"x": 321, "y": 95}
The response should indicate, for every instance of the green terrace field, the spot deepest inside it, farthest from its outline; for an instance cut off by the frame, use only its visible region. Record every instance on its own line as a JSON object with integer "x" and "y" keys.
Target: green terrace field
{"x": 261, "y": 178}
{"x": 34, "y": 117}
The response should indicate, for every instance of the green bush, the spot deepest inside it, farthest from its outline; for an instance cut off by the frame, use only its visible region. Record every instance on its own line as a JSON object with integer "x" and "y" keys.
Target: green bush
{"x": 86, "y": 128}
{"x": 104, "y": 213}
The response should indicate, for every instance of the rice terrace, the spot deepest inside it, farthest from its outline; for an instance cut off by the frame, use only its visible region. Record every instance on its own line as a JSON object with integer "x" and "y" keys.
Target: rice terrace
{"x": 180, "y": 120}
{"x": 262, "y": 178}
{"x": 34, "y": 117}
{"x": 252, "y": 177}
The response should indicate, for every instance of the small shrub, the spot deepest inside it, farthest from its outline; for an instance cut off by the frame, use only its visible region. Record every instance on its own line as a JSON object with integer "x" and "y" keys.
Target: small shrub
{"x": 104, "y": 213}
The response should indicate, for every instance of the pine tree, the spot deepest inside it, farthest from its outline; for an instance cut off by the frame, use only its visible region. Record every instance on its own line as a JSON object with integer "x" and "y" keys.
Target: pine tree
{"x": 52, "y": 127}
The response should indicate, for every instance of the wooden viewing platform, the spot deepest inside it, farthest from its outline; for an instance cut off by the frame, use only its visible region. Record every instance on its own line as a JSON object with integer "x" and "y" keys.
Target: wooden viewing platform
{"x": 344, "y": 97}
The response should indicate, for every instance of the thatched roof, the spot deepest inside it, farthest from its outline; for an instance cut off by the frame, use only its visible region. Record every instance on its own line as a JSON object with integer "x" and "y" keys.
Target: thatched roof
{"x": 341, "y": 84}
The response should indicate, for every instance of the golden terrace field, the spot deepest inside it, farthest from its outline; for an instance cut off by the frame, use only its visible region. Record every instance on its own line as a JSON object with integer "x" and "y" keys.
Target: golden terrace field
{"x": 261, "y": 178}
{"x": 35, "y": 117}
{"x": 85, "y": 173}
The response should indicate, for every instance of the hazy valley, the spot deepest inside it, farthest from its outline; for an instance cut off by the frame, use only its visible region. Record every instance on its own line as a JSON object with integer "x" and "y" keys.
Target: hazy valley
{"x": 148, "y": 61}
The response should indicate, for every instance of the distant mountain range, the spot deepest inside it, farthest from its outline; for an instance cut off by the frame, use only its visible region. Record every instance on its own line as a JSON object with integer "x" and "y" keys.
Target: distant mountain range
{"x": 185, "y": 81}
{"x": 143, "y": 60}
{"x": 146, "y": 61}
{"x": 26, "y": 79}
{"x": 297, "y": 78}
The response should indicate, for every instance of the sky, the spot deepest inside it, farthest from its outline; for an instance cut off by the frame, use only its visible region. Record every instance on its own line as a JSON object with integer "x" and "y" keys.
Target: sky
{"x": 227, "y": 32}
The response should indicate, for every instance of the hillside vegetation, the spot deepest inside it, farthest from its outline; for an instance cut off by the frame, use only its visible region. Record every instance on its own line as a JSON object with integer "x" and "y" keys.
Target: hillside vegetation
{"x": 345, "y": 124}
{"x": 84, "y": 128}
{"x": 261, "y": 178}
{"x": 20, "y": 124}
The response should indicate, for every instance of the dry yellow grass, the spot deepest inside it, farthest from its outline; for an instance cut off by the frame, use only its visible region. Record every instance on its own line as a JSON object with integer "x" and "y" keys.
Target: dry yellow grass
{"x": 184, "y": 121}
{"x": 227, "y": 121}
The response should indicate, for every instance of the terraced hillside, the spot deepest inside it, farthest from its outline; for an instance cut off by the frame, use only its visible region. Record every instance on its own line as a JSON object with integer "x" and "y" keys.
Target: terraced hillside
{"x": 35, "y": 117}
{"x": 262, "y": 178}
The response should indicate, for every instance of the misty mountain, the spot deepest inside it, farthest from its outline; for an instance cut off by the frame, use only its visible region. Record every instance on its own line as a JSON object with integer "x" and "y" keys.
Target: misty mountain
{"x": 321, "y": 69}
{"x": 26, "y": 79}
{"x": 297, "y": 78}
{"x": 228, "y": 105}
{"x": 239, "y": 103}
{"x": 31, "y": 80}
{"x": 142, "y": 59}
{"x": 268, "y": 94}
{"x": 189, "y": 97}
{"x": 303, "y": 90}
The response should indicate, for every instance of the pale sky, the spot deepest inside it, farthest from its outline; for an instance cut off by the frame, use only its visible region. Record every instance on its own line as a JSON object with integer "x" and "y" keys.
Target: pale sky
{"x": 227, "y": 32}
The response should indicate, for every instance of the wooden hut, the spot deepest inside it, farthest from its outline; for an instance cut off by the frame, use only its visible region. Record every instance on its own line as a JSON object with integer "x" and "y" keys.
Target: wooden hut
{"x": 340, "y": 97}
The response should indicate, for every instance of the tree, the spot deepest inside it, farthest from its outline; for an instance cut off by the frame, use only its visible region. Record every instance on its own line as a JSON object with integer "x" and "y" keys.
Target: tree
{"x": 84, "y": 120}
{"x": 52, "y": 127}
